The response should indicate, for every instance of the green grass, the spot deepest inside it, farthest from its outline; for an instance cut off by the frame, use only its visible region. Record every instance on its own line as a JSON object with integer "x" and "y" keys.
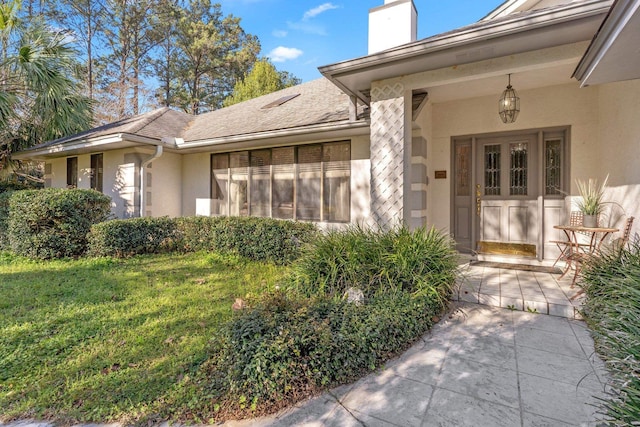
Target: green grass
{"x": 100, "y": 340}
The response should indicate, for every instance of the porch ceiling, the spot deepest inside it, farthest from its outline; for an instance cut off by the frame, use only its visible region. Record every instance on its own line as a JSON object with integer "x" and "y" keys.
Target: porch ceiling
{"x": 488, "y": 85}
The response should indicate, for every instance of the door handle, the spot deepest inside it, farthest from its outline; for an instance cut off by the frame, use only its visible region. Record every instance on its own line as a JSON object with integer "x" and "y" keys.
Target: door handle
{"x": 478, "y": 200}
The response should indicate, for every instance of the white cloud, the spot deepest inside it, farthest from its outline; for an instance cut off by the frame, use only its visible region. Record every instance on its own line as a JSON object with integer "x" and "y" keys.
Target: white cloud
{"x": 282, "y": 54}
{"x": 307, "y": 27}
{"x": 318, "y": 10}
{"x": 279, "y": 33}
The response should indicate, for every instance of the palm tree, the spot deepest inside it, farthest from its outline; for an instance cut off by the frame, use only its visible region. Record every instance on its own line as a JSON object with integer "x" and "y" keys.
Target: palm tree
{"x": 40, "y": 98}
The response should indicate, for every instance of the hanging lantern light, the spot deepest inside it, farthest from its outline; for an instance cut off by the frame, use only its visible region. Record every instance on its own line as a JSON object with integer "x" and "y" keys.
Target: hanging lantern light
{"x": 509, "y": 104}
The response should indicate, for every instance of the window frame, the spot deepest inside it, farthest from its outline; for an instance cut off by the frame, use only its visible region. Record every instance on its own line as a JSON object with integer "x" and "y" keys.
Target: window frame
{"x": 297, "y": 183}
{"x": 72, "y": 172}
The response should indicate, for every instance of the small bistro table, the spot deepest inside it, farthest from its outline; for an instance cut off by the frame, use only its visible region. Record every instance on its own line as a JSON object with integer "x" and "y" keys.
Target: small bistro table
{"x": 577, "y": 250}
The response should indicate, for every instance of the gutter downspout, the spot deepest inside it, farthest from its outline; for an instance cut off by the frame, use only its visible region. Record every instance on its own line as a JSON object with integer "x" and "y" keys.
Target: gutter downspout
{"x": 143, "y": 167}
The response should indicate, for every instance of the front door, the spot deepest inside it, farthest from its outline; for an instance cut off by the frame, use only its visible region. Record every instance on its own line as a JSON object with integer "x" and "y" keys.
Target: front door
{"x": 496, "y": 194}
{"x": 506, "y": 195}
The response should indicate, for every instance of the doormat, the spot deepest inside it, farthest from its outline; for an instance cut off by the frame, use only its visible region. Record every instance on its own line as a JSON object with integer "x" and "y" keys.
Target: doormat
{"x": 523, "y": 267}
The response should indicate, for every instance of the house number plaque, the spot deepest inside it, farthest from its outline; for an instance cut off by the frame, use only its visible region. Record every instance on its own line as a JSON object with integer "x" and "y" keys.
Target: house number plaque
{"x": 441, "y": 174}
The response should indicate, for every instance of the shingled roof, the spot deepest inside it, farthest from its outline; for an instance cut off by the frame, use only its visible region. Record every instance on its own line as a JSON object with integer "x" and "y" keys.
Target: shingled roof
{"x": 313, "y": 103}
{"x": 156, "y": 124}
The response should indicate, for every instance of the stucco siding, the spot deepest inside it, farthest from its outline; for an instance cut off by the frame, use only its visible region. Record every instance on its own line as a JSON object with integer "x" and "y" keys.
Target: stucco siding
{"x": 619, "y": 150}
{"x": 195, "y": 181}
{"x": 164, "y": 182}
{"x": 58, "y": 176}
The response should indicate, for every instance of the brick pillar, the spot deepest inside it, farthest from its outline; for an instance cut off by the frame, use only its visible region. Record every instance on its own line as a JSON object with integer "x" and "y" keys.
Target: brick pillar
{"x": 390, "y": 155}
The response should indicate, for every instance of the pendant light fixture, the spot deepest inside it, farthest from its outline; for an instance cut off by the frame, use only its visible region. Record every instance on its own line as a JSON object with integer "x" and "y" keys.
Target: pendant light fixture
{"x": 509, "y": 104}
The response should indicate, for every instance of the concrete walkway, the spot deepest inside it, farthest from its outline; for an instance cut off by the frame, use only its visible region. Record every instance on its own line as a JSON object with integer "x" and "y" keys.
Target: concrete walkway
{"x": 542, "y": 292}
{"x": 481, "y": 366}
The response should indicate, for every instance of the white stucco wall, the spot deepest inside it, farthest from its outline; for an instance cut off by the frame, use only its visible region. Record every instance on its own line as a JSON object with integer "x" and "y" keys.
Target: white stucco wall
{"x": 121, "y": 180}
{"x": 58, "y": 174}
{"x": 195, "y": 181}
{"x": 619, "y": 150}
{"x": 166, "y": 185}
{"x": 360, "y": 180}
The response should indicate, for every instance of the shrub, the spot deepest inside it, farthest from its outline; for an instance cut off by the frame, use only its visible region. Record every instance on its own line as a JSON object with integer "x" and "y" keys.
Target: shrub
{"x": 54, "y": 222}
{"x": 287, "y": 348}
{"x": 135, "y": 236}
{"x": 422, "y": 261}
{"x": 260, "y": 239}
{"x": 4, "y": 219}
{"x": 612, "y": 310}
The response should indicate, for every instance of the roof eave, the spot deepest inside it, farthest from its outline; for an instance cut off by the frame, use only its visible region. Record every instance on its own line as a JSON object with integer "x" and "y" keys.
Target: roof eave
{"x": 466, "y": 38}
{"x": 93, "y": 143}
{"x": 621, "y": 13}
{"x": 344, "y": 128}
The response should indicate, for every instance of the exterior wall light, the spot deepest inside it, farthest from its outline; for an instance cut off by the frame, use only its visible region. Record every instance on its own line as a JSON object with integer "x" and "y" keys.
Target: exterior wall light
{"x": 509, "y": 104}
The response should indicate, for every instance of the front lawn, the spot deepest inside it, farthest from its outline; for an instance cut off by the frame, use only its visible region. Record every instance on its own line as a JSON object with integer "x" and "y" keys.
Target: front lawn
{"x": 96, "y": 340}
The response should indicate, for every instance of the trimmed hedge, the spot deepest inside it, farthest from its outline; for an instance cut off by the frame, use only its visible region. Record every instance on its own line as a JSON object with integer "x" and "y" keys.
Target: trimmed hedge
{"x": 261, "y": 239}
{"x": 4, "y": 220}
{"x": 127, "y": 237}
{"x": 54, "y": 222}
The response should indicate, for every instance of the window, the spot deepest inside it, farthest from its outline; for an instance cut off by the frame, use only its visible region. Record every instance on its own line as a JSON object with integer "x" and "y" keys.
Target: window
{"x": 72, "y": 172}
{"x": 260, "y": 185}
{"x": 96, "y": 172}
{"x": 307, "y": 182}
{"x": 239, "y": 183}
{"x": 553, "y": 167}
{"x": 492, "y": 170}
{"x": 220, "y": 183}
{"x": 518, "y": 167}
{"x": 283, "y": 182}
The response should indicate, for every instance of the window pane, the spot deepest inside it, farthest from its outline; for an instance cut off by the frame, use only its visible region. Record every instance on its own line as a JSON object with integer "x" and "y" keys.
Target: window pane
{"x": 96, "y": 172}
{"x": 492, "y": 170}
{"x": 260, "y": 198}
{"x": 463, "y": 170}
{"x": 220, "y": 184}
{"x": 336, "y": 159}
{"x": 518, "y": 160}
{"x": 308, "y": 182}
{"x": 282, "y": 191}
{"x": 239, "y": 171}
{"x": 553, "y": 167}
{"x": 72, "y": 172}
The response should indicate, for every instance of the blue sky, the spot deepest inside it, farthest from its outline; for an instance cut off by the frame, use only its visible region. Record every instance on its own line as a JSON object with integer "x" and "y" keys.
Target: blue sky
{"x": 301, "y": 35}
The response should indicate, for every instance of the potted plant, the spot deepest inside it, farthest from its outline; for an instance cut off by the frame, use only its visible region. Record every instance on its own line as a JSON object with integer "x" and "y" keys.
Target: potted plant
{"x": 590, "y": 203}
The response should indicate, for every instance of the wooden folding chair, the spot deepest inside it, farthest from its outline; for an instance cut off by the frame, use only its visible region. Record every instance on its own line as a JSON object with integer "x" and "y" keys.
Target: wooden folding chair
{"x": 575, "y": 219}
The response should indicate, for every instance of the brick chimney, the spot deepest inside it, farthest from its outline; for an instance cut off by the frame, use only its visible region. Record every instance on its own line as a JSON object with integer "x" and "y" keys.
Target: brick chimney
{"x": 393, "y": 24}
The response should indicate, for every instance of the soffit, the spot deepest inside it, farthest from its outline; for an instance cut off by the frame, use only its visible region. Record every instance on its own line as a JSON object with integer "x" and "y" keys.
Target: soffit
{"x": 614, "y": 54}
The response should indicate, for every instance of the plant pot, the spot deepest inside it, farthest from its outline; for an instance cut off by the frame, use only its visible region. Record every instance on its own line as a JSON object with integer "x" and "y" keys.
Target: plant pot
{"x": 590, "y": 221}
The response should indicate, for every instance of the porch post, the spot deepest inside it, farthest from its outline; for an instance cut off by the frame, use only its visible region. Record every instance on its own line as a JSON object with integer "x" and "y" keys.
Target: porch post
{"x": 390, "y": 154}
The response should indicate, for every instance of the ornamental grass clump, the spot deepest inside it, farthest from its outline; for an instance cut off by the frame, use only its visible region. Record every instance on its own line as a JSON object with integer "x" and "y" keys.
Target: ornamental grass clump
{"x": 612, "y": 310}
{"x": 592, "y": 194}
{"x": 421, "y": 261}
